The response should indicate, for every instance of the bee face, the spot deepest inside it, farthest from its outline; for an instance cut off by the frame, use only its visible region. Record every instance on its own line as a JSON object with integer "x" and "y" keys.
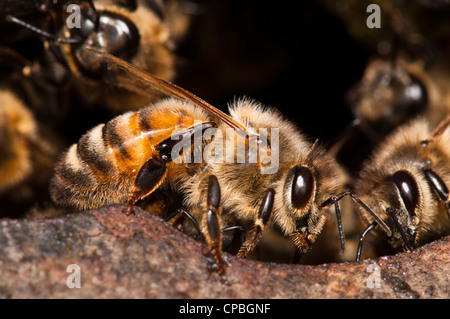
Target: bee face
{"x": 405, "y": 183}
{"x": 400, "y": 203}
{"x": 306, "y": 188}
{"x": 135, "y": 35}
{"x": 303, "y": 187}
{"x": 104, "y": 30}
{"x": 134, "y": 31}
{"x": 304, "y": 177}
{"x": 300, "y": 193}
{"x": 387, "y": 96}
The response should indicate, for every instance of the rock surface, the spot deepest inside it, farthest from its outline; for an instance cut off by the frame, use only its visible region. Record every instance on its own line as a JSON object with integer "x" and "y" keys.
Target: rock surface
{"x": 140, "y": 256}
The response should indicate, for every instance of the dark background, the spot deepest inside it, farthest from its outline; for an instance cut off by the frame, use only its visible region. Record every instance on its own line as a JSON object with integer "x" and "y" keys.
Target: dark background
{"x": 292, "y": 55}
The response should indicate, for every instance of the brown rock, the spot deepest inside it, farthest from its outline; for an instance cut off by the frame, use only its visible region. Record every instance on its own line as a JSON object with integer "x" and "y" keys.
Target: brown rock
{"x": 140, "y": 256}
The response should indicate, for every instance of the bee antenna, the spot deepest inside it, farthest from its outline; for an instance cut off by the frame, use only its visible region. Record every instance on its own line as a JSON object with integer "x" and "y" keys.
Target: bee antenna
{"x": 43, "y": 33}
{"x": 336, "y": 144}
{"x": 395, "y": 52}
{"x": 355, "y": 198}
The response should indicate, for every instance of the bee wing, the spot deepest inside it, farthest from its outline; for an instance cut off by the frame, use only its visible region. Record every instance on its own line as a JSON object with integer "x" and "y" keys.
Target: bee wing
{"x": 438, "y": 131}
{"x": 139, "y": 81}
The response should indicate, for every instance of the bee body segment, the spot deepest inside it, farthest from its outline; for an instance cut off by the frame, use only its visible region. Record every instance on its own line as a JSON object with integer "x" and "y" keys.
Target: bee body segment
{"x": 102, "y": 168}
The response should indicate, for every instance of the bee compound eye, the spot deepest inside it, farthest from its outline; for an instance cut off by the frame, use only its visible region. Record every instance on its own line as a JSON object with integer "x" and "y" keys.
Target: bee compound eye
{"x": 416, "y": 94}
{"x": 302, "y": 187}
{"x": 116, "y": 34}
{"x": 408, "y": 189}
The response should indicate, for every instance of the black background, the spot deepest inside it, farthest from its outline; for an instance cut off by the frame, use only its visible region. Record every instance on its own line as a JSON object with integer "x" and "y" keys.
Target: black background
{"x": 292, "y": 55}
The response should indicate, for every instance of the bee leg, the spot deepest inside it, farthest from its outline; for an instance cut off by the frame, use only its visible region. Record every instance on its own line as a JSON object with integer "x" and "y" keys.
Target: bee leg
{"x": 150, "y": 176}
{"x": 185, "y": 137}
{"x": 239, "y": 228}
{"x": 361, "y": 239}
{"x": 236, "y": 242}
{"x": 182, "y": 213}
{"x": 264, "y": 213}
{"x": 213, "y": 231}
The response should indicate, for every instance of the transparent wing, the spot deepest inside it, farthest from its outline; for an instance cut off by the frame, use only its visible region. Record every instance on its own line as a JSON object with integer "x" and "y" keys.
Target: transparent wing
{"x": 141, "y": 81}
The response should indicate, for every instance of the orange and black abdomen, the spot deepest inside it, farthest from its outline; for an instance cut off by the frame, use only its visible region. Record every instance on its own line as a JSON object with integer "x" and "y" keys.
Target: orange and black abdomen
{"x": 102, "y": 167}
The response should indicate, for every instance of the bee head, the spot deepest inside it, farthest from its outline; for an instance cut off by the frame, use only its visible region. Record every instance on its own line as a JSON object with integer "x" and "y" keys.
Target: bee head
{"x": 106, "y": 31}
{"x": 404, "y": 209}
{"x": 301, "y": 192}
{"x": 386, "y": 97}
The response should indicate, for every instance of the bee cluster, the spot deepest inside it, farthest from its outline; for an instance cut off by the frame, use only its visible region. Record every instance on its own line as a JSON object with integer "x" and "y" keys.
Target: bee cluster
{"x": 53, "y": 90}
{"x": 379, "y": 187}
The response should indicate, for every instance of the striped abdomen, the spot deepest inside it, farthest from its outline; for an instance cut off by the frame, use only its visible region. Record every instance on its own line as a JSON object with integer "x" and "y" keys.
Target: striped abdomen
{"x": 102, "y": 167}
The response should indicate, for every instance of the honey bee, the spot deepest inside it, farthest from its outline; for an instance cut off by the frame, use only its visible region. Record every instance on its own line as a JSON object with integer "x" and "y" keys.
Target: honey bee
{"x": 409, "y": 78}
{"x": 389, "y": 94}
{"x": 392, "y": 92}
{"x": 28, "y": 155}
{"x": 138, "y": 36}
{"x": 136, "y": 153}
{"x": 16, "y": 125}
{"x": 133, "y": 30}
{"x": 404, "y": 184}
